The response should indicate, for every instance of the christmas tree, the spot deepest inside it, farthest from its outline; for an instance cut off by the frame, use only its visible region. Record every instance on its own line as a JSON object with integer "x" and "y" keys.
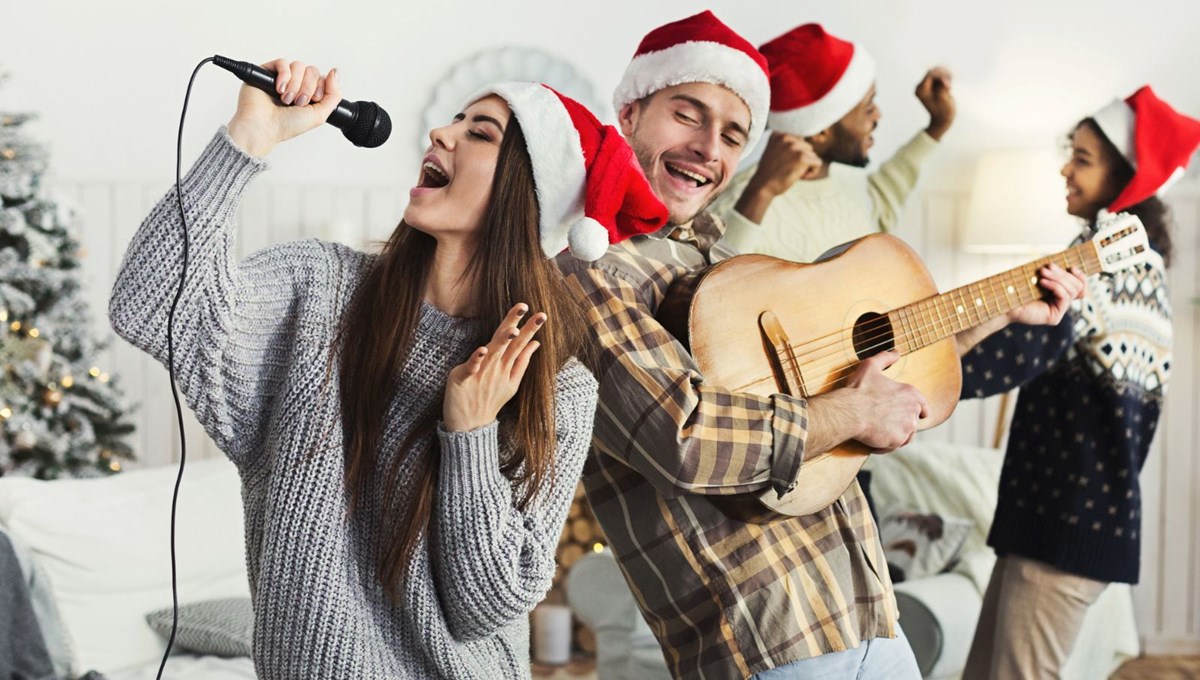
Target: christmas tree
{"x": 60, "y": 414}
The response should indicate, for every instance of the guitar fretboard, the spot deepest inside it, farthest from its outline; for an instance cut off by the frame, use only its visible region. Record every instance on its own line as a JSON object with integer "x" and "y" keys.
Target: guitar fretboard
{"x": 931, "y": 320}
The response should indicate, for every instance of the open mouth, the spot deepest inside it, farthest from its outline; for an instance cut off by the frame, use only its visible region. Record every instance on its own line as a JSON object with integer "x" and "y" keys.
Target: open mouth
{"x": 687, "y": 175}
{"x": 432, "y": 177}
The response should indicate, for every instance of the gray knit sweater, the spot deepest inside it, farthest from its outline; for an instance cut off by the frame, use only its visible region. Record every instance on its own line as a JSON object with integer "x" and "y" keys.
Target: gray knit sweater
{"x": 253, "y": 344}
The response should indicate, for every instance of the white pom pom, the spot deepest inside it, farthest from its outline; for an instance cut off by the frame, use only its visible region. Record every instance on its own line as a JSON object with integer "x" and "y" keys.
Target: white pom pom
{"x": 588, "y": 239}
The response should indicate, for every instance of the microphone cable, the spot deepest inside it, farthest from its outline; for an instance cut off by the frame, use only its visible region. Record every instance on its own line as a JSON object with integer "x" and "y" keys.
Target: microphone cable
{"x": 171, "y": 366}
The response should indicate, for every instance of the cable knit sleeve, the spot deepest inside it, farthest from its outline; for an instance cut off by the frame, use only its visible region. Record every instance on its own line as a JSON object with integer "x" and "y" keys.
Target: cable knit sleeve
{"x": 742, "y": 235}
{"x": 235, "y": 326}
{"x": 891, "y": 185}
{"x": 494, "y": 563}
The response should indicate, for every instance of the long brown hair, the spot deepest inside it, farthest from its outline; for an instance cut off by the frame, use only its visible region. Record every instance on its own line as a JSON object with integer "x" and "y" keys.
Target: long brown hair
{"x": 377, "y": 333}
{"x": 1153, "y": 212}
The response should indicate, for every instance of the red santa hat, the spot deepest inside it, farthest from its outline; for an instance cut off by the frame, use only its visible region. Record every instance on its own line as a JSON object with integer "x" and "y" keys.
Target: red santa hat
{"x": 816, "y": 79}
{"x": 590, "y": 189}
{"x": 1157, "y": 140}
{"x": 698, "y": 49}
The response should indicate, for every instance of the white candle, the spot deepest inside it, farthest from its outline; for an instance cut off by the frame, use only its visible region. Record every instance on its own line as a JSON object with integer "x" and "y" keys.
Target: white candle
{"x": 552, "y": 633}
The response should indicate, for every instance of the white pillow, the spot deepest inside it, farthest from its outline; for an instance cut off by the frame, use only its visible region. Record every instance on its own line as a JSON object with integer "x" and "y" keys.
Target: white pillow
{"x": 105, "y": 545}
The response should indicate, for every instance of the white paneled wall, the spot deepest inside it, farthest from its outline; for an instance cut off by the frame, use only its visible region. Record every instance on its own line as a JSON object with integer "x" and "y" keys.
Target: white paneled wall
{"x": 111, "y": 212}
{"x": 1168, "y": 600}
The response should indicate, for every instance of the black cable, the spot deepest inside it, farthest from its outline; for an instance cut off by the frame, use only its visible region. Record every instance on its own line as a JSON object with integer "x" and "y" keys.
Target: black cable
{"x": 171, "y": 365}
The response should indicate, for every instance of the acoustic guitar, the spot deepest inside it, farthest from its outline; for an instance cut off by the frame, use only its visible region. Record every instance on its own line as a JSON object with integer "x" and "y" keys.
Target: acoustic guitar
{"x": 764, "y": 325}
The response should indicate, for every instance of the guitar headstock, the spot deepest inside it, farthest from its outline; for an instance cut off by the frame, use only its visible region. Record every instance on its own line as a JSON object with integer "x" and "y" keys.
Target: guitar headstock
{"x": 1120, "y": 241}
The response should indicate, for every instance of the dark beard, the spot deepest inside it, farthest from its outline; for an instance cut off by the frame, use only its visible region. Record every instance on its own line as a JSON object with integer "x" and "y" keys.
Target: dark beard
{"x": 846, "y": 149}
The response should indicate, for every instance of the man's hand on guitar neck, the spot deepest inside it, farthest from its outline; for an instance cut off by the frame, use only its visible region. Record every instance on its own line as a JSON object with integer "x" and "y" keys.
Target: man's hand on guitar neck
{"x": 1065, "y": 286}
{"x": 872, "y": 408}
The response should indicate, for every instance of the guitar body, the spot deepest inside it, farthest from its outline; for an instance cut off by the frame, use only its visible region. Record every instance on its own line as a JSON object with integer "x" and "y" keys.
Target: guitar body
{"x": 719, "y": 314}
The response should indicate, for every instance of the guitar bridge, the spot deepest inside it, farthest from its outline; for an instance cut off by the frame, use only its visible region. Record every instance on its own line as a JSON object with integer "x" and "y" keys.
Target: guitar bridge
{"x": 783, "y": 359}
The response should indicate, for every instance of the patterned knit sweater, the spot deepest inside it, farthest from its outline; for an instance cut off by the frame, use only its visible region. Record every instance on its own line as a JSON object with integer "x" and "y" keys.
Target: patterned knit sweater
{"x": 1091, "y": 394}
{"x": 253, "y": 354}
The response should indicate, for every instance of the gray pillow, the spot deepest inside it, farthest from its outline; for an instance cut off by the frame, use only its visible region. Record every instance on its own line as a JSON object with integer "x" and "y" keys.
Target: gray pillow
{"x": 918, "y": 545}
{"x": 219, "y": 627}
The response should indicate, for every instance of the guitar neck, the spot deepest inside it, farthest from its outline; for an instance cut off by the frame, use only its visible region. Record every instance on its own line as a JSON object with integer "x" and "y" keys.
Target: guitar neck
{"x": 933, "y": 319}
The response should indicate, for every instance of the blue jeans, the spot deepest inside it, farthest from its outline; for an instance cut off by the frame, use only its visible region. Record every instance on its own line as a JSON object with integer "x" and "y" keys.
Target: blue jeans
{"x": 878, "y": 659}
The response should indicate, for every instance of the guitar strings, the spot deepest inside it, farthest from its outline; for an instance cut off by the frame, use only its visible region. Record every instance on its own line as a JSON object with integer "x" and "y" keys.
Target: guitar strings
{"x": 877, "y": 329}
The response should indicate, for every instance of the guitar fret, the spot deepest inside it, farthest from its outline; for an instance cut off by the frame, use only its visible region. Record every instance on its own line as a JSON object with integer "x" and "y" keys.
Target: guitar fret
{"x": 976, "y": 302}
{"x": 923, "y": 315}
{"x": 910, "y": 331}
{"x": 995, "y": 294}
{"x": 922, "y": 330}
{"x": 941, "y": 321}
{"x": 930, "y": 322}
{"x": 973, "y": 305}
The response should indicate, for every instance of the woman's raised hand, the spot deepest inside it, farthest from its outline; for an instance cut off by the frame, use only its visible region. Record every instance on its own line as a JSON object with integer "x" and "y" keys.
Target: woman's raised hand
{"x": 479, "y": 387}
{"x": 308, "y": 97}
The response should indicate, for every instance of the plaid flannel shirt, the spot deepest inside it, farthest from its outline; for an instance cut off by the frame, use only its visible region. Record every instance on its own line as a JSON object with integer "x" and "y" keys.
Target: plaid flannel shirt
{"x": 725, "y": 598}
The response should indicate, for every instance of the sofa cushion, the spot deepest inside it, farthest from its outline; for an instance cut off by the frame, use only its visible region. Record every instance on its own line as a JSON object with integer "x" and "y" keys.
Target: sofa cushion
{"x": 104, "y": 544}
{"x": 918, "y": 545}
{"x": 223, "y": 627}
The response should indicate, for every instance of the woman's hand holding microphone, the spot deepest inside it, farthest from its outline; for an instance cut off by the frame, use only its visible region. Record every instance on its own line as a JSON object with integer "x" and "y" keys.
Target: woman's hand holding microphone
{"x": 308, "y": 99}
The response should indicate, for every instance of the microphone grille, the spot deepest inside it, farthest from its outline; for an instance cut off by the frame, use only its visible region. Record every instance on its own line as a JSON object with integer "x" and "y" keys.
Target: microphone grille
{"x": 371, "y": 127}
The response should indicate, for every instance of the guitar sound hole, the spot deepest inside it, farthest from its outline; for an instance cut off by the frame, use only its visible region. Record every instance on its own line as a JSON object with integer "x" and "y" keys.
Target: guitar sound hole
{"x": 872, "y": 335}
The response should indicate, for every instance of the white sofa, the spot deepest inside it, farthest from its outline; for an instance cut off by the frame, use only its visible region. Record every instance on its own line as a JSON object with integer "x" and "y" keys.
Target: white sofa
{"x": 938, "y": 613}
{"x": 102, "y": 547}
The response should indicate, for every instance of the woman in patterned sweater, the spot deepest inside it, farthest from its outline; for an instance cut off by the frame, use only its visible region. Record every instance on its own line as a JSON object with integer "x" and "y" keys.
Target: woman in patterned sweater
{"x": 1068, "y": 517}
{"x": 408, "y": 450}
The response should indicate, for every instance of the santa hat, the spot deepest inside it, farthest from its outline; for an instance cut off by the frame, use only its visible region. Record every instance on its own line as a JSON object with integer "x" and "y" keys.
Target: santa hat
{"x": 590, "y": 189}
{"x": 698, "y": 49}
{"x": 1157, "y": 140}
{"x": 816, "y": 79}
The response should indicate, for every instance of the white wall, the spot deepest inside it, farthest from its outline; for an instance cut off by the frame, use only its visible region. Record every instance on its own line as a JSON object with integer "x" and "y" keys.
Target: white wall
{"x": 108, "y": 81}
{"x": 109, "y": 77}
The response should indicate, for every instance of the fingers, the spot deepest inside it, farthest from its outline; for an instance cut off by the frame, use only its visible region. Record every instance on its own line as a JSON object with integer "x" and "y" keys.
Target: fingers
{"x": 475, "y": 363}
{"x": 1067, "y": 284}
{"x": 308, "y": 86}
{"x": 941, "y": 76}
{"x": 300, "y": 84}
{"x": 924, "y": 412}
{"x": 882, "y": 360}
{"x": 283, "y": 73}
{"x": 508, "y": 327}
{"x": 295, "y": 77}
{"x": 328, "y": 95}
{"x": 522, "y": 360}
{"x": 525, "y": 337}
{"x": 925, "y": 87}
{"x": 812, "y": 163}
{"x": 510, "y": 340}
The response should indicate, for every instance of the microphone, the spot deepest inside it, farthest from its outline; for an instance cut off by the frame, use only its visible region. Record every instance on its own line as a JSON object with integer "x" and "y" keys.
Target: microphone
{"x": 363, "y": 123}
